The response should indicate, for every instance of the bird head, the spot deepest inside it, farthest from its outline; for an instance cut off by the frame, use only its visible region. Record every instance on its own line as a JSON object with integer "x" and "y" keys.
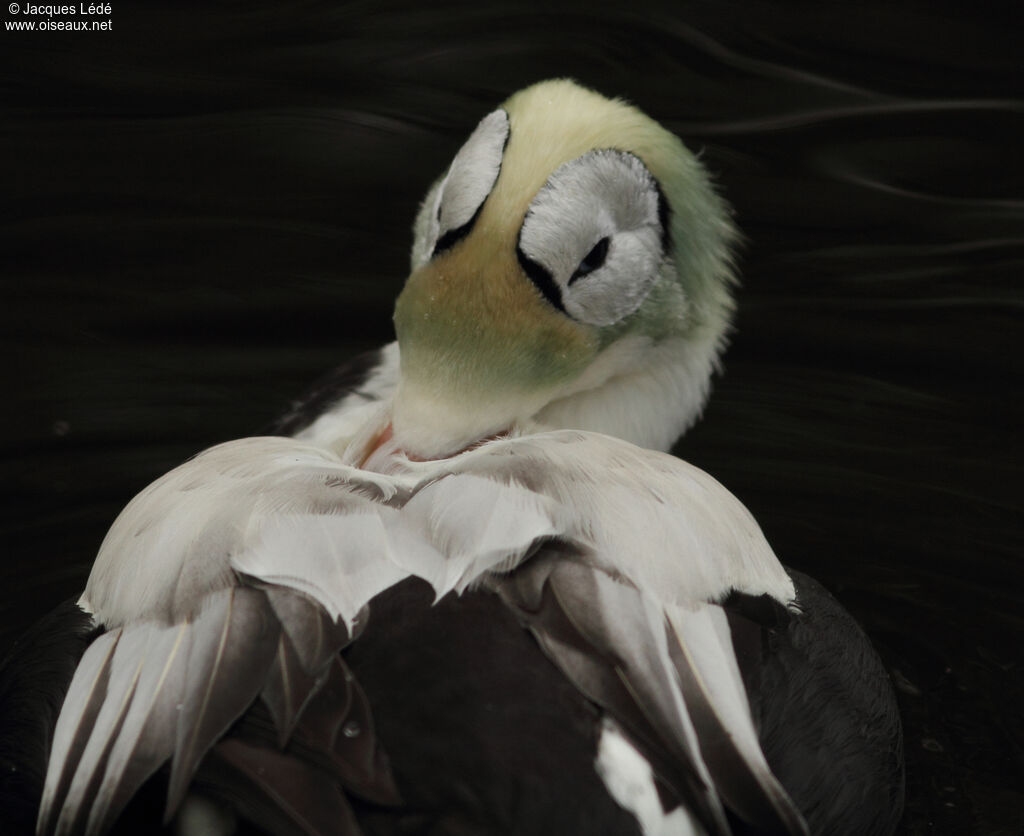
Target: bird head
{"x": 571, "y": 269}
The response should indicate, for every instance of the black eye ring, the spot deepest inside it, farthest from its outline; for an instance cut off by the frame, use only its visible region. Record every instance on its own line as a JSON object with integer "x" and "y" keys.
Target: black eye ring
{"x": 592, "y": 260}
{"x": 451, "y": 238}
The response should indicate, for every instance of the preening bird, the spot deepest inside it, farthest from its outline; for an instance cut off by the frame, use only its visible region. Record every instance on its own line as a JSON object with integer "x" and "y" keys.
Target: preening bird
{"x": 465, "y": 590}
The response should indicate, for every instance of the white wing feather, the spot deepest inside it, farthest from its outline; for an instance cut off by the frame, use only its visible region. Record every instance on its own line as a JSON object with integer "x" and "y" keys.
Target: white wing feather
{"x": 125, "y": 667}
{"x": 279, "y": 509}
{"x": 81, "y": 701}
{"x": 160, "y": 680}
{"x": 287, "y": 513}
{"x": 668, "y": 526}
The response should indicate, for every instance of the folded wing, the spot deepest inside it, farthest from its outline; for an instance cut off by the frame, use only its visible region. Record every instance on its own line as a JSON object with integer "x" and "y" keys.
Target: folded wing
{"x": 241, "y": 575}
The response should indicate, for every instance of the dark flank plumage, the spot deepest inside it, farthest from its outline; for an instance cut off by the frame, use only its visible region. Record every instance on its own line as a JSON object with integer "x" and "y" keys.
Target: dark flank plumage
{"x": 466, "y": 727}
{"x": 485, "y": 735}
{"x": 34, "y": 676}
{"x": 825, "y": 710}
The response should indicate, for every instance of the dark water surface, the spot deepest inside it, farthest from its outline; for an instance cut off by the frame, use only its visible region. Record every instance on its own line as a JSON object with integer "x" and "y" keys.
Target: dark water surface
{"x": 208, "y": 206}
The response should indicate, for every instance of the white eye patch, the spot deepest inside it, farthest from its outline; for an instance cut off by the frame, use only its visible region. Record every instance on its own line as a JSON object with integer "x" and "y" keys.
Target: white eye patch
{"x": 593, "y": 238}
{"x": 470, "y": 178}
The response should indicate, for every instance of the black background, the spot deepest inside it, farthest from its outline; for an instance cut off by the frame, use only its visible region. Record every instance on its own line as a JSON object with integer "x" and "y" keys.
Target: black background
{"x": 208, "y": 206}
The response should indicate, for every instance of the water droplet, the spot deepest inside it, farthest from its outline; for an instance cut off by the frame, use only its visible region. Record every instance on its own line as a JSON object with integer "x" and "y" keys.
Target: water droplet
{"x": 931, "y": 744}
{"x": 351, "y": 729}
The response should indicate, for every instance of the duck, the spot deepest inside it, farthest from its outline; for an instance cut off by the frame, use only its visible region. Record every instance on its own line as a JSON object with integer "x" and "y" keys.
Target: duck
{"x": 462, "y": 586}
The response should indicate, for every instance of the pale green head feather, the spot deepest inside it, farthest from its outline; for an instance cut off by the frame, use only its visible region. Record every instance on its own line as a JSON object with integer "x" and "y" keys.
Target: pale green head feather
{"x": 481, "y": 349}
